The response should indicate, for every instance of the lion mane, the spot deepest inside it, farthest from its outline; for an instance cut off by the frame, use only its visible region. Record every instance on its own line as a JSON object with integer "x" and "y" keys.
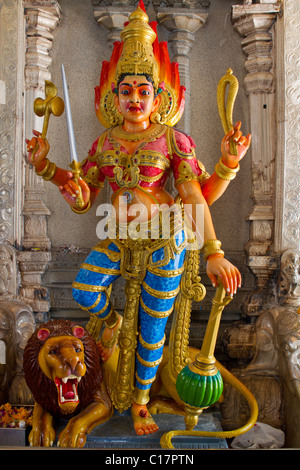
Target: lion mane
{"x": 42, "y": 388}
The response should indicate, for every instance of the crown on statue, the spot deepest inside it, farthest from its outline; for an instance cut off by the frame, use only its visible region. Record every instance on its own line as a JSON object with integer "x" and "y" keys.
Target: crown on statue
{"x": 140, "y": 53}
{"x": 137, "y": 54}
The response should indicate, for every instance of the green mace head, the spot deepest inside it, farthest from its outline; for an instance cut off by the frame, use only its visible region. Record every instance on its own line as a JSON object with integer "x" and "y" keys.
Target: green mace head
{"x": 199, "y": 389}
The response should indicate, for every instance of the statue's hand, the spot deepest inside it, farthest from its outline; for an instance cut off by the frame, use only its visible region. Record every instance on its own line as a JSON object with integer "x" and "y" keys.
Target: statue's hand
{"x": 242, "y": 144}
{"x": 219, "y": 267}
{"x": 37, "y": 149}
{"x": 71, "y": 190}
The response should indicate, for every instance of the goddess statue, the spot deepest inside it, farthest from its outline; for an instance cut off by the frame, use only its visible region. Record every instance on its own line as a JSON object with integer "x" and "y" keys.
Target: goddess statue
{"x": 139, "y": 100}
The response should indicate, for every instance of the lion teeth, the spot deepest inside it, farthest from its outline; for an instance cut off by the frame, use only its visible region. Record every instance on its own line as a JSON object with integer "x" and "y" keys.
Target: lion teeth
{"x": 65, "y": 379}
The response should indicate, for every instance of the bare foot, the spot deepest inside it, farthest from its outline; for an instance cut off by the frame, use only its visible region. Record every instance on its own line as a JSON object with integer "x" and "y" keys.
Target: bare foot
{"x": 108, "y": 340}
{"x": 142, "y": 420}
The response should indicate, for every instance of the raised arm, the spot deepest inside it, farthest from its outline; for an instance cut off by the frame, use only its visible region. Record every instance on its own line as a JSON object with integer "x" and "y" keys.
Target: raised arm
{"x": 38, "y": 150}
{"x": 228, "y": 166}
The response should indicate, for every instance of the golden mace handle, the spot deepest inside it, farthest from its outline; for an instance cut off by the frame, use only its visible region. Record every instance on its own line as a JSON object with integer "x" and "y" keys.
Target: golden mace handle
{"x": 225, "y": 107}
{"x": 205, "y": 359}
{"x": 52, "y": 104}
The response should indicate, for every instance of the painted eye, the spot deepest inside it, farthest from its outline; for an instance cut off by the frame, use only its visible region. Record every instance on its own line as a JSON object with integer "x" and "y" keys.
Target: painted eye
{"x": 125, "y": 92}
{"x": 52, "y": 352}
{"x": 145, "y": 92}
{"x": 78, "y": 350}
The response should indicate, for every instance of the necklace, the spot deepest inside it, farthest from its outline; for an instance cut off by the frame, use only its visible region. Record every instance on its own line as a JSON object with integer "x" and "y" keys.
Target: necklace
{"x": 152, "y": 132}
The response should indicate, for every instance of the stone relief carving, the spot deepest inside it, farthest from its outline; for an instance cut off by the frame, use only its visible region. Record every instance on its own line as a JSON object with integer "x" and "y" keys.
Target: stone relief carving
{"x": 8, "y": 272}
{"x": 16, "y": 326}
{"x": 291, "y": 207}
{"x": 275, "y": 362}
{"x": 8, "y": 73}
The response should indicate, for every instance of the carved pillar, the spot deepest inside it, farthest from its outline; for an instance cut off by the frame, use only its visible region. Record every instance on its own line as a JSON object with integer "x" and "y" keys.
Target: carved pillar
{"x": 112, "y": 17}
{"x": 182, "y": 24}
{"x": 41, "y": 18}
{"x": 40, "y": 22}
{"x": 254, "y": 23}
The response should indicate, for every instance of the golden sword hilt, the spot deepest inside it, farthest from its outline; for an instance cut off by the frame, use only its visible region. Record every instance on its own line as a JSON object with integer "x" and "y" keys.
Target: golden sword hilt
{"x": 76, "y": 169}
{"x": 225, "y": 107}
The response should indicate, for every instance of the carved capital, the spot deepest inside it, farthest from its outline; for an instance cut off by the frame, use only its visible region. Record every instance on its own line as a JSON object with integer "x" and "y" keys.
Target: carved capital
{"x": 112, "y": 19}
{"x": 182, "y": 26}
{"x": 253, "y": 22}
{"x": 41, "y": 20}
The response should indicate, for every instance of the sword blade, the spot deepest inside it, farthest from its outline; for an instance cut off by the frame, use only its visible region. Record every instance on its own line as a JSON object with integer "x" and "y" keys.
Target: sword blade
{"x": 72, "y": 143}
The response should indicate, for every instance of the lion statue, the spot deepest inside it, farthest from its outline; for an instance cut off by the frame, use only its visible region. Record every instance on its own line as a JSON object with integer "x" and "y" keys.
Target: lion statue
{"x": 63, "y": 372}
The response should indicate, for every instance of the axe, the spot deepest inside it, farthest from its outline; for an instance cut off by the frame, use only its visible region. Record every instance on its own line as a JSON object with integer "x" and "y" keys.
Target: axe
{"x": 52, "y": 104}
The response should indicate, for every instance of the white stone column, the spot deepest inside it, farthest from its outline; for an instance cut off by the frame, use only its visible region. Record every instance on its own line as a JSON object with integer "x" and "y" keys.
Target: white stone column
{"x": 40, "y": 23}
{"x": 41, "y": 18}
{"x": 255, "y": 23}
{"x": 182, "y": 24}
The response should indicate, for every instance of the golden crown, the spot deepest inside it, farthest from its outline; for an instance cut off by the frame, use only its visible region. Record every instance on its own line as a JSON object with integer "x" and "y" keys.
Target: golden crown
{"x": 140, "y": 53}
{"x": 137, "y": 55}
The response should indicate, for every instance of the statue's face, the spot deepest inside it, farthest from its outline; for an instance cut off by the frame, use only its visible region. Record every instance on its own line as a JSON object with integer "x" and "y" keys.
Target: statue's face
{"x": 135, "y": 100}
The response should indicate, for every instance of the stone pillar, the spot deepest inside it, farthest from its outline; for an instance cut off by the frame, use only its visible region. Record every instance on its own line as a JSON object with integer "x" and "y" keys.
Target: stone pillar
{"x": 41, "y": 18}
{"x": 182, "y": 24}
{"x": 254, "y": 22}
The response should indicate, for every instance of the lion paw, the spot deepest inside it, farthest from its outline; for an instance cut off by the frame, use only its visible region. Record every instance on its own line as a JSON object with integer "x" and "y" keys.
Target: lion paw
{"x": 73, "y": 435}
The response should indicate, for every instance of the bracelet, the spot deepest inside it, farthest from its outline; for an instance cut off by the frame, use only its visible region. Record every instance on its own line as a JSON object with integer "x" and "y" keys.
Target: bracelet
{"x": 224, "y": 172}
{"x": 211, "y": 247}
{"x": 82, "y": 211}
{"x": 48, "y": 172}
{"x": 45, "y": 169}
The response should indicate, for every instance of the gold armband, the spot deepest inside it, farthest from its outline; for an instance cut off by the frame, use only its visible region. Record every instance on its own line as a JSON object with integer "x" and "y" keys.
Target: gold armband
{"x": 211, "y": 247}
{"x": 224, "y": 172}
{"x": 83, "y": 211}
{"x": 48, "y": 172}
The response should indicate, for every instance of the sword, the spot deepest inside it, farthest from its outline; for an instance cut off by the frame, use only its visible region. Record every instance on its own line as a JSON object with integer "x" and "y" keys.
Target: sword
{"x": 74, "y": 163}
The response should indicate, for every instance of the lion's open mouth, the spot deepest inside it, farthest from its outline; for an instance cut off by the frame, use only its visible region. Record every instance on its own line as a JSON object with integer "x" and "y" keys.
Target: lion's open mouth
{"x": 67, "y": 388}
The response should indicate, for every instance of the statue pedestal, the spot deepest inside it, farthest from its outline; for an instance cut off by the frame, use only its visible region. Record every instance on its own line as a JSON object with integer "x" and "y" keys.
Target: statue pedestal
{"x": 118, "y": 433}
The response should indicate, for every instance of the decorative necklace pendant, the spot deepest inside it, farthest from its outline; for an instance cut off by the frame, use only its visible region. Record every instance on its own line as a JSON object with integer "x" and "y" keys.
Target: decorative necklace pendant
{"x": 128, "y": 197}
{"x": 129, "y": 176}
